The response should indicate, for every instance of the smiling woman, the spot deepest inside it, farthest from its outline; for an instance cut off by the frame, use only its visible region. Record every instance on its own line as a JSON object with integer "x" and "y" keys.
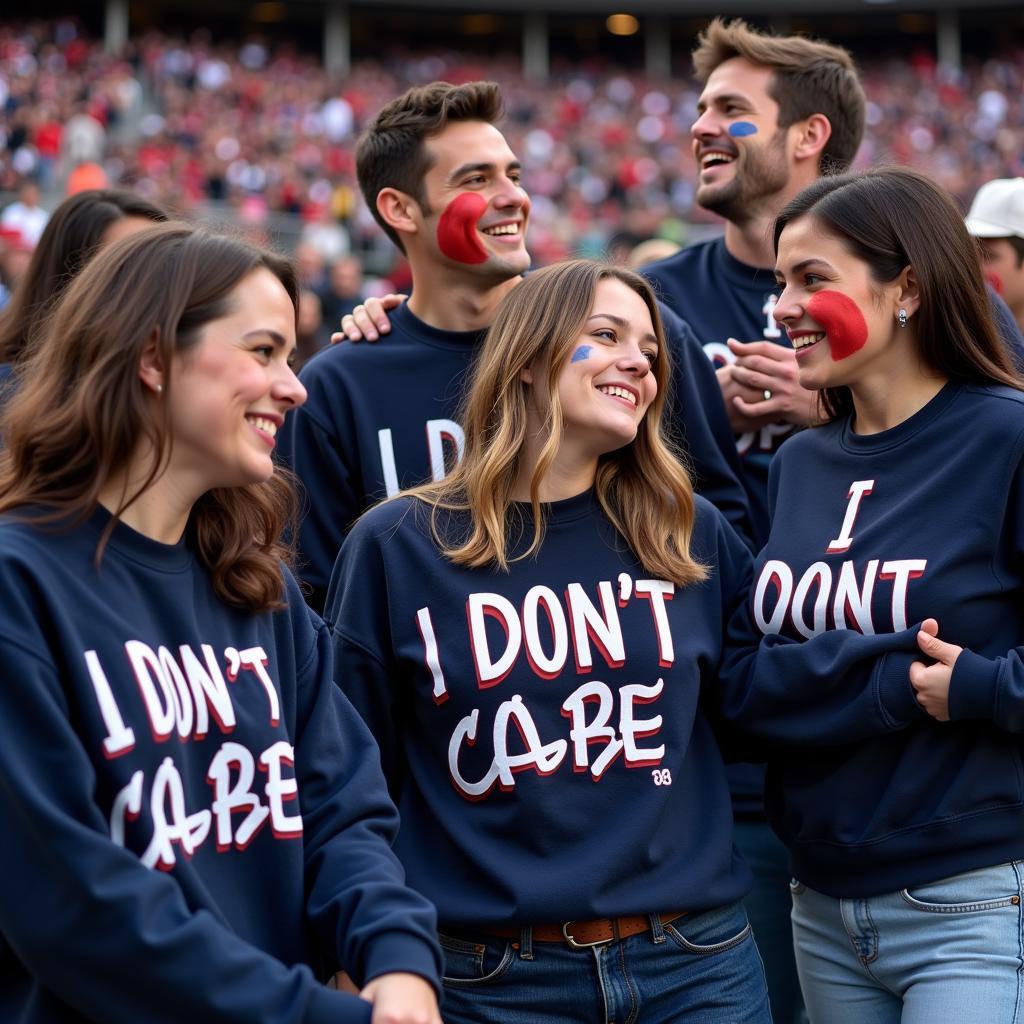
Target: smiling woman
{"x": 894, "y": 610}
{"x": 529, "y": 640}
{"x": 161, "y": 660}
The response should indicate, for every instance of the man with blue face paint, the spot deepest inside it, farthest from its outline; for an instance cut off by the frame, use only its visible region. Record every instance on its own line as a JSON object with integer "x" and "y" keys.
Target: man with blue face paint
{"x": 774, "y": 115}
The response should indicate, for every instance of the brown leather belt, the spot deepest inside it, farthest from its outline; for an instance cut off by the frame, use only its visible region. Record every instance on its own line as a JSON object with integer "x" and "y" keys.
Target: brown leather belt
{"x": 583, "y": 934}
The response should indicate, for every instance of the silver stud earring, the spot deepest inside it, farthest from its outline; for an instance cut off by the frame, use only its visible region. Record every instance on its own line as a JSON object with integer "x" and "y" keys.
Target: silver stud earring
{"x": 902, "y": 318}
{"x": 160, "y": 387}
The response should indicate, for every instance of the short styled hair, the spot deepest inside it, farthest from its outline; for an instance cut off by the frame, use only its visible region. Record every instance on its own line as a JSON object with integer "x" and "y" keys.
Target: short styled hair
{"x": 810, "y": 77}
{"x": 391, "y": 151}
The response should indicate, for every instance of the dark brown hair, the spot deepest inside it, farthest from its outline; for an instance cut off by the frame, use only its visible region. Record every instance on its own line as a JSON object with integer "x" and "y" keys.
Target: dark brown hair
{"x": 892, "y": 218}
{"x": 391, "y": 154}
{"x": 80, "y": 410}
{"x": 72, "y": 235}
{"x": 810, "y": 77}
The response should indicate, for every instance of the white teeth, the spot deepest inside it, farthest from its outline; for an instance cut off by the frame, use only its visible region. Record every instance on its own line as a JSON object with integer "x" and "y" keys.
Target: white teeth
{"x": 807, "y": 339}
{"x": 612, "y": 389}
{"x": 268, "y": 426}
{"x": 711, "y": 159}
{"x": 502, "y": 229}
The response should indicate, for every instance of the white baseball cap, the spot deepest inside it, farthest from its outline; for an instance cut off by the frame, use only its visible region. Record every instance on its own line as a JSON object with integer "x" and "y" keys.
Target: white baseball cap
{"x": 998, "y": 209}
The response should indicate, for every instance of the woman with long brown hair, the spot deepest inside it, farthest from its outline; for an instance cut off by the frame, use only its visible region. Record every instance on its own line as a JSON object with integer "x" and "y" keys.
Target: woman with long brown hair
{"x": 532, "y": 640}
{"x": 897, "y": 554}
{"x": 195, "y": 825}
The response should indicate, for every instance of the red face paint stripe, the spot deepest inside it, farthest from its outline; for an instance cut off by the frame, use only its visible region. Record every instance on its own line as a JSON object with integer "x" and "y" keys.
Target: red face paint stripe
{"x": 841, "y": 319}
{"x": 456, "y": 228}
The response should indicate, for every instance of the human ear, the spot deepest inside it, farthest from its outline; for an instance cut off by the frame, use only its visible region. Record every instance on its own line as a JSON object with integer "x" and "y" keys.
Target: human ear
{"x": 526, "y": 375}
{"x": 815, "y": 131}
{"x": 908, "y": 291}
{"x": 151, "y": 366}
{"x": 399, "y": 210}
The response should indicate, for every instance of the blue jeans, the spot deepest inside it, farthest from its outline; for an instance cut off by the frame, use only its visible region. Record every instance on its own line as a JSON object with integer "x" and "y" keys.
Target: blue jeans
{"x": 700, "y": 969}
{"x": 945, "y": 951}
{"x": 769, "y": 906}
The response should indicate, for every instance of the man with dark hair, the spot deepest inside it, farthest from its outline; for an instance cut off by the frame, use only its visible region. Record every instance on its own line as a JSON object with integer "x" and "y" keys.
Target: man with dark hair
{"x": 444, "y": 184}
{"x": 775, "y": 113}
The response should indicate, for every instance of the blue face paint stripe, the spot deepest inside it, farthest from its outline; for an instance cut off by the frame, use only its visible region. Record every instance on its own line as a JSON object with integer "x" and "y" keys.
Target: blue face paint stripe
{"x": 583, "y": 352}
{"x": 741, "y": 128}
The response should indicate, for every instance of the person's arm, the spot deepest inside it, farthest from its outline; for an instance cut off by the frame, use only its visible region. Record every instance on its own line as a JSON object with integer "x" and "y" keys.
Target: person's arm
{"x": 960, "y": 684}
{"x": 358, "y": 903}
{"x": 699, "y": 423}
{"x": 115, "y": 940}
{"x": 837, "y": 687}
{"x": 840, "y": 686}
{"x": 369, "y": 320}
{"x": 328, "y": 494}
{"x": 364, "y": 667}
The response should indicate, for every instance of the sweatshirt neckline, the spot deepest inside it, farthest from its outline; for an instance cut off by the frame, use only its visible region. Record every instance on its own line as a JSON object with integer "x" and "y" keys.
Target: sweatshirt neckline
{"x": 740, "y": 272}
{"x": 140, "y": 548}
{"x": 404, "y": 319}
{"x": 567, "y": 510}
{"x": 902, "y": 432}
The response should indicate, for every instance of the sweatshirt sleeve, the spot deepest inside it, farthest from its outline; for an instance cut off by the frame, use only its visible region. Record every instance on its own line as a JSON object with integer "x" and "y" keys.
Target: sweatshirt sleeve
{"x": 699, "y": 422}
{"x": 330, "y": 503}
{"x": 840, "y": 686}
{"x": 364, "y": 665}
{"x": 993, "y": 688}
{"x": 108, "y": 936}
{"x": 358, "y": 902}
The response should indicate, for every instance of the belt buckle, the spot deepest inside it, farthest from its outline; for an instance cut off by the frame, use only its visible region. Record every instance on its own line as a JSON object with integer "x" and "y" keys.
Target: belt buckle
{"x": 573, "y": 944}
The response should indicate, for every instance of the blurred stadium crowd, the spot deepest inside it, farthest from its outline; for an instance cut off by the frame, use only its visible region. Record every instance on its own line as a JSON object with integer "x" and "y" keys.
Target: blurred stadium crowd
{"x": 261, "y": 136}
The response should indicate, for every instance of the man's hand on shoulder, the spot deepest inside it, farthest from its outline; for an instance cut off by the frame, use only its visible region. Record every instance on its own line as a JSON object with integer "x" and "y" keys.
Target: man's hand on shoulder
{"x": 367, "y": 322}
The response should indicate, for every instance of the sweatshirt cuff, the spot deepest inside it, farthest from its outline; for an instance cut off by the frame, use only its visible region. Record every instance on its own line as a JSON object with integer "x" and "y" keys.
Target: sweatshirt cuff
{"x": 326, "y": 1006}
{"x": 397, "y": 951}
{"x": 896, "y": 698}
{"x": 973, "y": 686}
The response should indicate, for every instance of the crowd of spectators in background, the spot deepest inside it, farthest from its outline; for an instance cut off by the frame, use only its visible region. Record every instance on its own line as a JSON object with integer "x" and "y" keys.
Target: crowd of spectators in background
{"x": 263, "y": 137}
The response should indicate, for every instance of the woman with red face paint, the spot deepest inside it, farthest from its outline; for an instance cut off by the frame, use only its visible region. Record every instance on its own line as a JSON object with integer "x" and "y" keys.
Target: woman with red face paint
{"x": 195, "y": 825}
{"x": 534, "y": 643}
{"x": 895, "y": 564}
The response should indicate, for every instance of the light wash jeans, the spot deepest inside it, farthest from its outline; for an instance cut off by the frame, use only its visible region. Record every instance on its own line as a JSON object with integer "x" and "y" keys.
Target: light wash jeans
{"x": 948, "y": 952}
{"x": 700, "y": 969}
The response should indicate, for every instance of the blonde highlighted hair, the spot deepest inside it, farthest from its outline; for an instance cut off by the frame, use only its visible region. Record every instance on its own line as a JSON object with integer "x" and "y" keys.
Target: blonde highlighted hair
{"x": 643, "y": 487}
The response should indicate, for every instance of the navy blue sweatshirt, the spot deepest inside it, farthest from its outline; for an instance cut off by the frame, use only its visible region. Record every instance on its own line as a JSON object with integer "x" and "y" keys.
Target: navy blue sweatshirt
{"x": 720, "y": 298}
{"x": 195, "y": 824}
{"x": 871, "y": 535}
{"x": 542, "y": 730}
{"x": 383, "y": 417}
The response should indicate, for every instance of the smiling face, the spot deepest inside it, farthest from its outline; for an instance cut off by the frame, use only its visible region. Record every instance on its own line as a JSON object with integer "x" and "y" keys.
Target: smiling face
{"x": 841, "y": 322}
{"x": 740, "y": 150}
{"x": 231, "y": 391}
{"x": 475, "y": 211}
{"x": 607, "y": 383}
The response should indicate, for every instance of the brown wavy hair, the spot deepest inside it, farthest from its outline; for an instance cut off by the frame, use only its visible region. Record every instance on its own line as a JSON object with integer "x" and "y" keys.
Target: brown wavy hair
{"x": 893, "y": 218}
{"x": 642, "y": 487}
{"x": 79, "y": 409}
